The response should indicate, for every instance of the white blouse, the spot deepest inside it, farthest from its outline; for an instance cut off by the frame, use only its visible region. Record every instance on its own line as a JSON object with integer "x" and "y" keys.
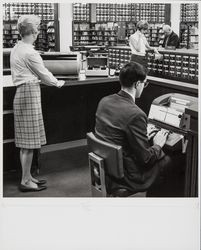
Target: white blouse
{"x": 143, "y": 43}
{"x": 27, "y": 66}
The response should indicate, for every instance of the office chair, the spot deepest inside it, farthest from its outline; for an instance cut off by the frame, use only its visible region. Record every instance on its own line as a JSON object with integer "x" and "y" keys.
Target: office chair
{"x": 106, "y": 159}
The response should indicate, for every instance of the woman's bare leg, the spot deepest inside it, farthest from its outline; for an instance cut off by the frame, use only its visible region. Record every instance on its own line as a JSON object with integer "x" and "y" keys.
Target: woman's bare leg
{"x": 26, "y": 156}
{"x": 33, "y": 178}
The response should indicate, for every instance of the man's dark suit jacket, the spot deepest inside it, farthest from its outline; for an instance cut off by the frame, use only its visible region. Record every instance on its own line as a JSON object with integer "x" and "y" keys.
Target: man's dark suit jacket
{"x": 173, "y": 40}
{"x": 120, "y": 121}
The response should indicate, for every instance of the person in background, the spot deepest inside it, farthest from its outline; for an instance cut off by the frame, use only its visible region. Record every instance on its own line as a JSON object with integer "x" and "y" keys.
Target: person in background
{"x": 139, "y": 44}
{"x": 171, "y": 38}
{"x": 121, "y": 122}
{"x": 28, "y": 71}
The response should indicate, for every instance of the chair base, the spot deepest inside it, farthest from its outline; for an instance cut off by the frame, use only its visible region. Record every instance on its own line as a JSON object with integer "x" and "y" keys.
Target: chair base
{"x": 139, "y": 194}
{"x": 117, "y": 193}
{"x": 126, "y": 193}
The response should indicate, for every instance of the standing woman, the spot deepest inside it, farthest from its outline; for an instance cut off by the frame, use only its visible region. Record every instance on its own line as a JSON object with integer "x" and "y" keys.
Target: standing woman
{"x": 138, "y": 44}
{"x": 28, "y": 71}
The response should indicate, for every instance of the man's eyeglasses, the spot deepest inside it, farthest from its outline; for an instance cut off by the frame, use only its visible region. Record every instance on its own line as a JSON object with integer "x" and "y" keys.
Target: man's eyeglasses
{"x": 146, "y": 84}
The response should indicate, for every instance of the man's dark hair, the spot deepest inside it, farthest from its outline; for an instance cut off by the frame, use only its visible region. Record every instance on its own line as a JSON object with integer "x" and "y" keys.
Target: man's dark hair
{"x": 131, "y": 73}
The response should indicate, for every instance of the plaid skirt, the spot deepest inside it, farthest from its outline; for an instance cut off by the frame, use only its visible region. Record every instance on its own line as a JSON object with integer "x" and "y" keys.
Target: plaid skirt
{"x": 28, "y": 118}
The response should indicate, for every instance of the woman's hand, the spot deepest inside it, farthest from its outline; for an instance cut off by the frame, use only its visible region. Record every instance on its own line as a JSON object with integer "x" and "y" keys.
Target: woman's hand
{"x": 158, "y": 57}
{"x": 60, "y": 83}
{"x": 156, "y": 51}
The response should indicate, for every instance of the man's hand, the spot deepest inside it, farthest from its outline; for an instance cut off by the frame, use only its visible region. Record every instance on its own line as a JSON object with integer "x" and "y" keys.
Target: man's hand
{"x": 151, "y": 131}
{"x": 152, "y": 134}
{"x": 160, "y": 138}
{"x": 60, "y": 83}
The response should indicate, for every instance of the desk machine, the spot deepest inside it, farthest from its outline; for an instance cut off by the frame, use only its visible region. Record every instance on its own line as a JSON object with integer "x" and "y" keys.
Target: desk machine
{"x": 97, "y": 66}
{"x": 63, "y": 65}
{"x": 167, "y": 112}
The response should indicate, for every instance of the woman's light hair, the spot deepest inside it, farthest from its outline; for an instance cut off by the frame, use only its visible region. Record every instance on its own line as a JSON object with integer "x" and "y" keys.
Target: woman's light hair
{"x": 28, "y": 24}
{"x": 142, "y": 24}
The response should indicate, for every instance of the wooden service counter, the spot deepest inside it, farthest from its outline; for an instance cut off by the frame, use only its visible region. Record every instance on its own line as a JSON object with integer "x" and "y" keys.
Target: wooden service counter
{"x": 69, "y": 112}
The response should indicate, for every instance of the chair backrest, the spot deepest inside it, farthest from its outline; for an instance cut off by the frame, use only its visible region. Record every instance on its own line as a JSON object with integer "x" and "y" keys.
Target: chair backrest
{"x": 112, "y": 155}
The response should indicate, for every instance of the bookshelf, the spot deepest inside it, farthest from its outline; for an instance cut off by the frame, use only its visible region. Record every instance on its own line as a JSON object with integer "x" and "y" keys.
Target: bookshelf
{"x": 11, "y": 13}
{"x": 189, "y": 26}
{"x": 108, "y": 17}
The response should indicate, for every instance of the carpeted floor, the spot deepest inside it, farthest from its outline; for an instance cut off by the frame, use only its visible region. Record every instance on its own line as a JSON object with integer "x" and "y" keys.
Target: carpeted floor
{"x": 65, "y": 170}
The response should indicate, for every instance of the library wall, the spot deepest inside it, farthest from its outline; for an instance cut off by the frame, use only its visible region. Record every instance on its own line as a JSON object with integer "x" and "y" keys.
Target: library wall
{"x": 65, "y": 16}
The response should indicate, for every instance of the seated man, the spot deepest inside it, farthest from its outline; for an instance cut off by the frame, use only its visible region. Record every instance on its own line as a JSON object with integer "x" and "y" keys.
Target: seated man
{"x": 120, "y": 121}
{"x": 171, "y": 38}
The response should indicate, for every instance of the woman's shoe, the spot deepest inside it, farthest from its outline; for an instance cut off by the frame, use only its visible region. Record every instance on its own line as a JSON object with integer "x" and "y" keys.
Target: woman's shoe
{"x": 26, "y": 188}
{"x": 40, "y": 182}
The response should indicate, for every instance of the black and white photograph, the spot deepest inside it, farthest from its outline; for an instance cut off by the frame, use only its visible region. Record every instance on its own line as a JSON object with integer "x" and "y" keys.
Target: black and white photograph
{"x": 120, "y": 87}
{"x": 99, "y": 125}
{"x": 100, "y": 100}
